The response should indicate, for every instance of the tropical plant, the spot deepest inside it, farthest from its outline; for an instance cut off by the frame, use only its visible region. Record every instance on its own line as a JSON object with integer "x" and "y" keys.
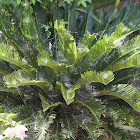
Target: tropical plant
{"x": 82, "y": 88}
{"x": 80, "y": 19}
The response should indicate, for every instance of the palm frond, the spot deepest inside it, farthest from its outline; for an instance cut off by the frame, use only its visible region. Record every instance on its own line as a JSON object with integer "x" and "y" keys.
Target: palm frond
{"x": 46, "y": 105}
{"x": 71, "y": 19}
{"x": 132, "y": 21}
{"x": 45, "y": 59}
{"x": 12, "y": 34}
{"x": 42, "y": 125}
{"x": 104, "y": 46}
{"x": 25, "y": 77}
{"x": 125, "y": 92}
{"x": 87, "y": 39}
{"x": 118, "y": 113}
{"x": 3, "y": 88}
{"x": 80, "y": 56}
{"x": 133, "y": 61}
{"x": 10, "y": 55}
{"x": 92, "y": 77}
{"x": 101, "y": 47}
{"x": 59, "y": 68}
{"x": 94, "y": 106}
{"x": 4, "y": 69}
{"x": 68, "y": 44}
{"x": 87, "y": 21}
{"x": 123, "y": 75}
{"x": 12, "y": 91}
{"x": 128, "y": 47}
{"x": 68, "y": 94}
{"x": 120, "y": 32}
{"x": 68, "y": 127}
{"x": 116, "y": 137}
{"x": 91, "y": 126}
{"x": 29, "y": 27}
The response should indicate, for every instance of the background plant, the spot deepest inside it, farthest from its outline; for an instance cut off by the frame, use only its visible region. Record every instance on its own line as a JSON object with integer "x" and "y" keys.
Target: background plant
{"x": 81, "y": 86}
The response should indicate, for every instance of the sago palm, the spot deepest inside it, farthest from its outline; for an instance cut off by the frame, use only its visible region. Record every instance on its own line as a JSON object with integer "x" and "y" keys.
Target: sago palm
{"x": 83, "y": 90}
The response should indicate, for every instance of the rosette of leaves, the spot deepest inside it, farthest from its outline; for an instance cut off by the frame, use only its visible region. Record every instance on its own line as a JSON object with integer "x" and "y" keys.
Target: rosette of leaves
{"x": 83, "y": 90}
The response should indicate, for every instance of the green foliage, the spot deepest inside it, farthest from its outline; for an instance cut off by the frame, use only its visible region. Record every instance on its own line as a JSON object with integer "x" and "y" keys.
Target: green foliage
{"x": 5, "y": 119}
{"x": 92, "y": 76}
{"x": 124, "y": 92}
{"x": 46, "y": 105}
{"x": 56, "y": 80}
{"x": 12, "y": 55}
{"x": 117, "y": 3}
{"x": 43, "y": 124}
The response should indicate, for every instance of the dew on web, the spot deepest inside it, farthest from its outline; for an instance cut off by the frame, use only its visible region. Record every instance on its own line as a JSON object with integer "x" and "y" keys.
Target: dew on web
{"x": 3, "y": 54}
{"x": 67, "y": 84}
{"x": 80, "y": 47}
{"x": 6, "y": 30}
{"x": 20, "y": 79}
{"x": 105, "y": 75}
{"x": 66, "y": 80}
{"x": 24, "y": 60}
{"x": 27, "y": 20}
{"x": 14, "y": 82}
{"x": 86, "y": 120}
{"x": 25, "y": 4}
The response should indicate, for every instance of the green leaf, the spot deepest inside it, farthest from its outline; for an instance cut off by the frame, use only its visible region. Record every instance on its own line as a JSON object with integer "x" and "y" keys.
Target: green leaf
{"x": 78, "y": 3}
{"x": 69, "y": 94}
{"x": 43, "y": 124}
{"x": 96, "y": 51}
{"x": 33, "y": 1}
{"x": 1, "y": 110}
{"x": 125, "y": 92}
{"x": 79, "y": 57}
{"x": 95, "y": 18}
{"x": 67, "y": 39}
{"x": 12, "y": 56}
{"x": 11, "y": 34}
{"x": 117, "y": 3}
{"x": 126, "y": 73}
{"x": 4, "y": 69}
{"x": 44, "y": 57}
{"x": 87, "y": 39}
{"x": 39, "y": 1}
{"x": 18, "y": 76}
{"x": 68, "y": 44}
{"x": 16, "y": 91}
{"x": 90, "y": 125}
{"x": 46, "y": 60}
{"x": 44, "y": 85}
{"x": 29, "y": 28}
{"x": 46, "y": 105}
{"x": 121, "y": 31}
{"x": 106, "y": 44}
{"x": 92, "y": 77}
{"x": 130, "y": 47}
{"x": 68, "y": 127}
{"x": 93, "y": 132}
{"x": 95, "y": 106}
{"x": 18, "y": 2}
{"x": 90, "y": 1}
{"x": 132, "y": 21}
{"x": 133, "y": 61}
{"x": 84, "y": 3}
{"x": 71, "y": 20}
{"x": 118, "y": 113}
{"x": 116, "y": 137}
{"x": 26, "y": 77}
